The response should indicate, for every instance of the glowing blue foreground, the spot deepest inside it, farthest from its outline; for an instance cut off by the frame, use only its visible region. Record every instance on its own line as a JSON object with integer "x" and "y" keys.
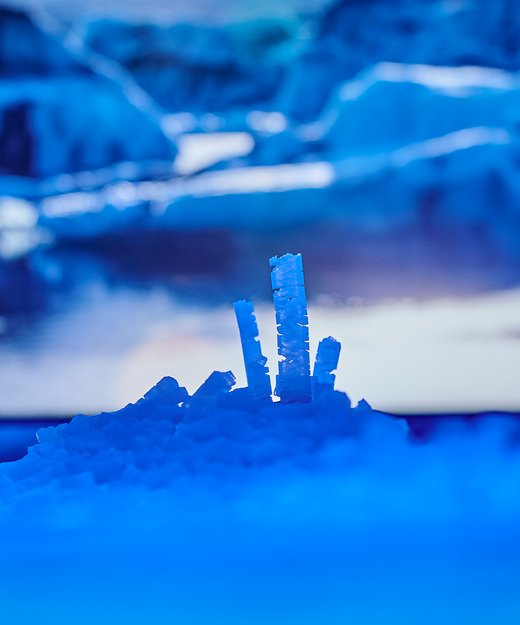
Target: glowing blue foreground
{"x": 228, "y": 507}
{"x": 217, "y": 429}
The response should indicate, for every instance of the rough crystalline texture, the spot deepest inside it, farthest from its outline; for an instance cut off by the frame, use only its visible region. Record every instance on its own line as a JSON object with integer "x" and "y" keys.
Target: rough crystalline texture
{"x": 217, "y": 434}
{"x": 169, "y": 434}
{"x": 206, "y": 396}
{"x": 255, "y": 362}
{"x": 326, "y": 364}
{"x": 293, "y": 383}
{"x": 301, "y": 508}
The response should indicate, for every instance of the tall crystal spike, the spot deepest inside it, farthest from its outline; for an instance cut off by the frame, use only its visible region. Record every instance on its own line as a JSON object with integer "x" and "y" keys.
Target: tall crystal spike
{"x": 255, "y": 362}
{"x": 293, "y": 382}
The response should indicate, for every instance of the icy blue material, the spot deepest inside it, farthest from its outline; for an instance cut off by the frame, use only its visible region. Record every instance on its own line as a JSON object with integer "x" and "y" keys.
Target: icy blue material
{"x": 26, "y": 50}
{"x": 293, "y": 383}
{"x": 233, "y": 71}
{"x": 161, "y": 503}
{"x": 46, "y": 127}
{"x": 58, "y": 135}
{"x": 167, "y": 436}
{"x": 325, "y": 365}
{"x": 255, "y": 362}
{"x": 168, "y": 390}
{"x": 440, "y": 166}
{"x": 217, "y": 496}
{"x": 218, "y": 383}
{"x": 267, "y": 65}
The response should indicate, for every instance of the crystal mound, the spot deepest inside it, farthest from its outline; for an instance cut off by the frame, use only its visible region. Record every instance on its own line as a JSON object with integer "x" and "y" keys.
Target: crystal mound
{"x": 310, "y": 507}
{"x": 217, "y": 431}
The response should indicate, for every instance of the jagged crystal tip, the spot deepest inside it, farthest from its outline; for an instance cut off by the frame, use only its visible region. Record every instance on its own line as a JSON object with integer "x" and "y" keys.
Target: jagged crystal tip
{"x": 293, "y": 383}
{"x": 325, "y": 365}
{"x": 257, "y": 372}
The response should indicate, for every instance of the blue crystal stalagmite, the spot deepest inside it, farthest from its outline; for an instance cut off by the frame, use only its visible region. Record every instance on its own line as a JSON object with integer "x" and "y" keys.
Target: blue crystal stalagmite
{"x": 325, "y": 364}
{"x": 255, "y": 362}
{"x": 293, "y": 383}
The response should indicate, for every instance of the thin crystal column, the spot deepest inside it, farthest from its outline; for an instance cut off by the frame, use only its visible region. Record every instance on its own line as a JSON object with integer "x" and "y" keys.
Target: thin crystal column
{"x": 293, "y": 383}
{"x": 255, "y": 362}
{"x": 325, "y": 364}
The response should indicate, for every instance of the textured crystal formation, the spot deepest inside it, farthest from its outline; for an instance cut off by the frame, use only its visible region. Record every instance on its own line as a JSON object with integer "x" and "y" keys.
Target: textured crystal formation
{"x": 206, "y": 395}
{"x": 257, "y": 371}
{"x": 293, "y": 383}
{"x": 219, "y": 431}
{"x": 325, "y": 365}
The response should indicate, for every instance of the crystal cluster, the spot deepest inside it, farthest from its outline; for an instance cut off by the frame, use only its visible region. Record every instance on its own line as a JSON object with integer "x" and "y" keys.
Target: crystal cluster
{"x": 217, "y": 431}
{"x": 293, "y": 382}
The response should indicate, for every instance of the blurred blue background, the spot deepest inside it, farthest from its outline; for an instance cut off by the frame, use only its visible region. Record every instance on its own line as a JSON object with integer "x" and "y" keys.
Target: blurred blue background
{"x": 154, "y": 155}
